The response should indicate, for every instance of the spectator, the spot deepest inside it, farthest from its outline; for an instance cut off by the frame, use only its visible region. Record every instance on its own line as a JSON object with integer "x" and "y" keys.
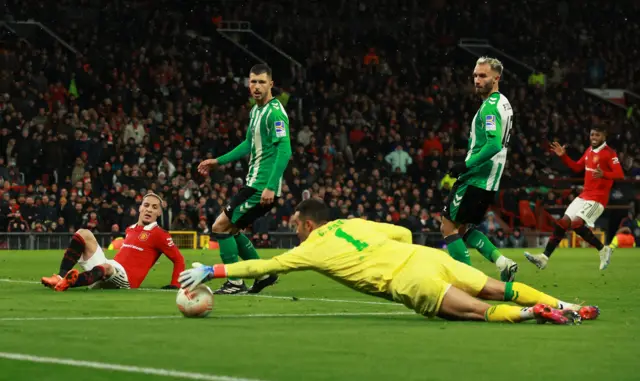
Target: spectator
{"x": 181, "y": 222}
{"x": 499, "y": 239}
{"x": 517, "y": 239}
{"x": 399, "y": 159}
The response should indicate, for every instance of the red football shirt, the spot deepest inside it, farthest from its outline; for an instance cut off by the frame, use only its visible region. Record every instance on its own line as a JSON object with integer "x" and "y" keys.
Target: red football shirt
{"x": 141, "y": 249}
{"x": 605, "y": 158}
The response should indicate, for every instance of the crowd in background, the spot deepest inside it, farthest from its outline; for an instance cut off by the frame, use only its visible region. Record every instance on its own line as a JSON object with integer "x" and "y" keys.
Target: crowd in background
{"x": 379, "y": 111}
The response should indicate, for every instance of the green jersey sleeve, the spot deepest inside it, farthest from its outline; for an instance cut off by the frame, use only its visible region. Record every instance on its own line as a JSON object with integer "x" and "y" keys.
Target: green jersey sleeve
{"x": 240, "y": 151}
{"x": 279, "y": 130}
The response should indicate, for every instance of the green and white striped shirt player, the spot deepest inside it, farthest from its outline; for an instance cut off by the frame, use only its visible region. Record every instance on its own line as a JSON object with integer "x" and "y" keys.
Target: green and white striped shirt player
{"x": 269, "y": 145}
{"x": 488, "y": 140}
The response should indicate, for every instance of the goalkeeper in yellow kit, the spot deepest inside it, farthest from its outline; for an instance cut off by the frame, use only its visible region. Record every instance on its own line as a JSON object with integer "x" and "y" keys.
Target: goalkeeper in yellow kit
{"x": 379, "y": 259}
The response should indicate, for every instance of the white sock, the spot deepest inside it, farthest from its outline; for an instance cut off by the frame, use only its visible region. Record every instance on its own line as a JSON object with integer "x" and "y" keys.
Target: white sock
{"x": 237, "y": 282}
{"x": 567, "y": 306}
{"x": 501, "y": 262}
{"x": 527, "y": 313}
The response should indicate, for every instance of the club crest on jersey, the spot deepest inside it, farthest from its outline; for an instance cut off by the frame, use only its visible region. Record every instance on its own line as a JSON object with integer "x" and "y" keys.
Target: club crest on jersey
{"x": 595, "y": 159}
{"x": 281, "y": 131}
{"x": 490, "y": 122}
{"x": 143, "y": 236}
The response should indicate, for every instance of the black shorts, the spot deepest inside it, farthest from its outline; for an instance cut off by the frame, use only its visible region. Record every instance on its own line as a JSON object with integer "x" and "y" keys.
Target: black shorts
{"x": 244, "y": 208}
{"x": 467, "y": 204}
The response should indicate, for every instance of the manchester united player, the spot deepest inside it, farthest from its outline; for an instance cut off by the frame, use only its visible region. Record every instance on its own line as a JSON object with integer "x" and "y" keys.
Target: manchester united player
{"x": 143, "y": 244}
{"x": 602, "y": 167}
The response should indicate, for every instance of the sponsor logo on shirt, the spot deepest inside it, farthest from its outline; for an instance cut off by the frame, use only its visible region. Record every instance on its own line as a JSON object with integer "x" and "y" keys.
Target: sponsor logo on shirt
{"x": 281, "y": 131}
{"x": 490, "y": 123}
{"x": 132, "y": 247}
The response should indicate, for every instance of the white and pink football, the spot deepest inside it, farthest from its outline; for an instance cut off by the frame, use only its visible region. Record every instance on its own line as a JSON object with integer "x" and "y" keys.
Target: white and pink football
{"x": 196, "y": 303}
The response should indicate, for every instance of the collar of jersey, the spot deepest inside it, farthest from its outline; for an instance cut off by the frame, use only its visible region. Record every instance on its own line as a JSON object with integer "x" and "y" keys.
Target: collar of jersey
{"x": 147, "y": 228}
{"x": 596, "y": 150}
{"x": 266, "y": 104}
{"x": 495, "y": 92}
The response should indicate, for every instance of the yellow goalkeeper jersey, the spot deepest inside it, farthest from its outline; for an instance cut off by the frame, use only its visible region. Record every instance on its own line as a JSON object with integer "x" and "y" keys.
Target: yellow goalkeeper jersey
{"x": 361, "y": 254}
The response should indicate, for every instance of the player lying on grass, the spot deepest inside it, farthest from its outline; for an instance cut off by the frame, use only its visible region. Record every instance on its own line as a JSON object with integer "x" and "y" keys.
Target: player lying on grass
{"x": 379, "y": 259}
{"x": 601, "y": 167}
{"x": 143, "y": 244}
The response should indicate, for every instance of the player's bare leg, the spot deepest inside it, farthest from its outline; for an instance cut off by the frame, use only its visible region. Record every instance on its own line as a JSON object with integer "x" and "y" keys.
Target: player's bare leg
{"x": 455, "y": 245}
{"x": 81, "y": 246}
{"x": 223, "y": 231}
{"x": 458, "y": 305}
{"x": 525, "y": 295}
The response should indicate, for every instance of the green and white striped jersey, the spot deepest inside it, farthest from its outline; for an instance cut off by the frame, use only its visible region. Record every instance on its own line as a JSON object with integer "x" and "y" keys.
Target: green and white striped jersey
{"x": 490, "y": 132}
{"x": 268, "y": 127}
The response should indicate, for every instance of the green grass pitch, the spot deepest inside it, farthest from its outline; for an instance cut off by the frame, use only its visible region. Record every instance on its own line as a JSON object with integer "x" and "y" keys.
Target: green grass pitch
{"x": 308, "y": 327}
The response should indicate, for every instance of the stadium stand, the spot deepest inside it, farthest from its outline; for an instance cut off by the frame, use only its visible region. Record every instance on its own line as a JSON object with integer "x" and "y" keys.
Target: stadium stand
{"x": 89, "y": 125}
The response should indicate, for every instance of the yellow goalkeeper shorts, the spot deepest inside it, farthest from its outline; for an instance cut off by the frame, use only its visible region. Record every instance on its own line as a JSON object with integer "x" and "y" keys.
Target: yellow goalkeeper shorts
{"x": 426, "y": 277}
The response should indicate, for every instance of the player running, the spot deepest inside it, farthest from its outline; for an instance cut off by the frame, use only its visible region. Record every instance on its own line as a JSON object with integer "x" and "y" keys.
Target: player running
{"x": 478, "y": 176}
{"x": 379, "y": 259}
{"x": 268, "y": 144}
{"x": 143, "y": 244}
{"x": 601, "y": 166}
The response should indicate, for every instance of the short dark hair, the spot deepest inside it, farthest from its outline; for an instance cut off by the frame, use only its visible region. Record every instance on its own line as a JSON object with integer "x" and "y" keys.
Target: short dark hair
{"x": 600, "y": 128}
{"x": 314, "y": 209}
{"x": 261, "y": 69}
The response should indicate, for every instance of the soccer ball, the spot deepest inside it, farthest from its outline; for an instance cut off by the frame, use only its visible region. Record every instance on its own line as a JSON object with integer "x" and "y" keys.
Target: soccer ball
{"x": 196, "y": 303}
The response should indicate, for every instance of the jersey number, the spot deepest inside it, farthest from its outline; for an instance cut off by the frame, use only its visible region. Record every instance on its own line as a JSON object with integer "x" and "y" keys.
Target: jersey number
{"x": 359, "y": 245}
{"x": 507, "y": 133}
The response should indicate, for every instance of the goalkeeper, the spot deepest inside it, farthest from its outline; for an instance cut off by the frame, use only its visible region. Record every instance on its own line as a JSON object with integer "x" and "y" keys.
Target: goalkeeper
{"x": 379, "y": 259}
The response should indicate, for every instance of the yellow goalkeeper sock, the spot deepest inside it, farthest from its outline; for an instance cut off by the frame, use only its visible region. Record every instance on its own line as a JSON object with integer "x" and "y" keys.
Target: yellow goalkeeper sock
{"x": 524, "y": 295}
{"x": 507, "y": 313}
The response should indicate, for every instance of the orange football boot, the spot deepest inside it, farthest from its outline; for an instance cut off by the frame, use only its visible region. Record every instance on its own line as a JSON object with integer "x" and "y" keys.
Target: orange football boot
{"x": 51, "y": 281}
{"x": 589, "y": 312}
{"x": 69, "y": 280}
{"x": 545, "y": 313}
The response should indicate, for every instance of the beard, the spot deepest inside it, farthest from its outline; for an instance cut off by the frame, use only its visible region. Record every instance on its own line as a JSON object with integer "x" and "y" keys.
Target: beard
{"x": 485, "y": 90}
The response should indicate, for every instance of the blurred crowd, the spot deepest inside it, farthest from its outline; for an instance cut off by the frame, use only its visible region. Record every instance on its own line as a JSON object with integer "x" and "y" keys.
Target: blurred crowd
{"x": 378, "y": 115}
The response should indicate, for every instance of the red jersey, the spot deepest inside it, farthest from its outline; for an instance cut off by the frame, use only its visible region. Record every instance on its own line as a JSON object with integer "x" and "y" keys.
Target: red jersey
{"x": 603, "y": 157}
{"x": 141, "y": 249}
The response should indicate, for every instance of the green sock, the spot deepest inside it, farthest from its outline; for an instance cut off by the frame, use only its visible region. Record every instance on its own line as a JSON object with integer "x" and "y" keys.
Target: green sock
{"x": 457, "y": 248}
{"x": 228, "y": 249}
{"x": 480, "y": 242}
{"x": 245, "y": 247}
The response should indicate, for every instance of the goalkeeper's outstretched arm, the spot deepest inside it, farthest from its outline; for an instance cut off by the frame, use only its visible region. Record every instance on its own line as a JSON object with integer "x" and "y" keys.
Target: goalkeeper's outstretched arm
{"x": 293, "y": 260}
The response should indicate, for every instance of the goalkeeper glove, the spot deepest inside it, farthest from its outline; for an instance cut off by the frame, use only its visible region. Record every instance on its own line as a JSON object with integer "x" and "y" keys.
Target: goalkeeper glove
{"x": 199, "y": 274}
{"x": 458, "y": 169}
